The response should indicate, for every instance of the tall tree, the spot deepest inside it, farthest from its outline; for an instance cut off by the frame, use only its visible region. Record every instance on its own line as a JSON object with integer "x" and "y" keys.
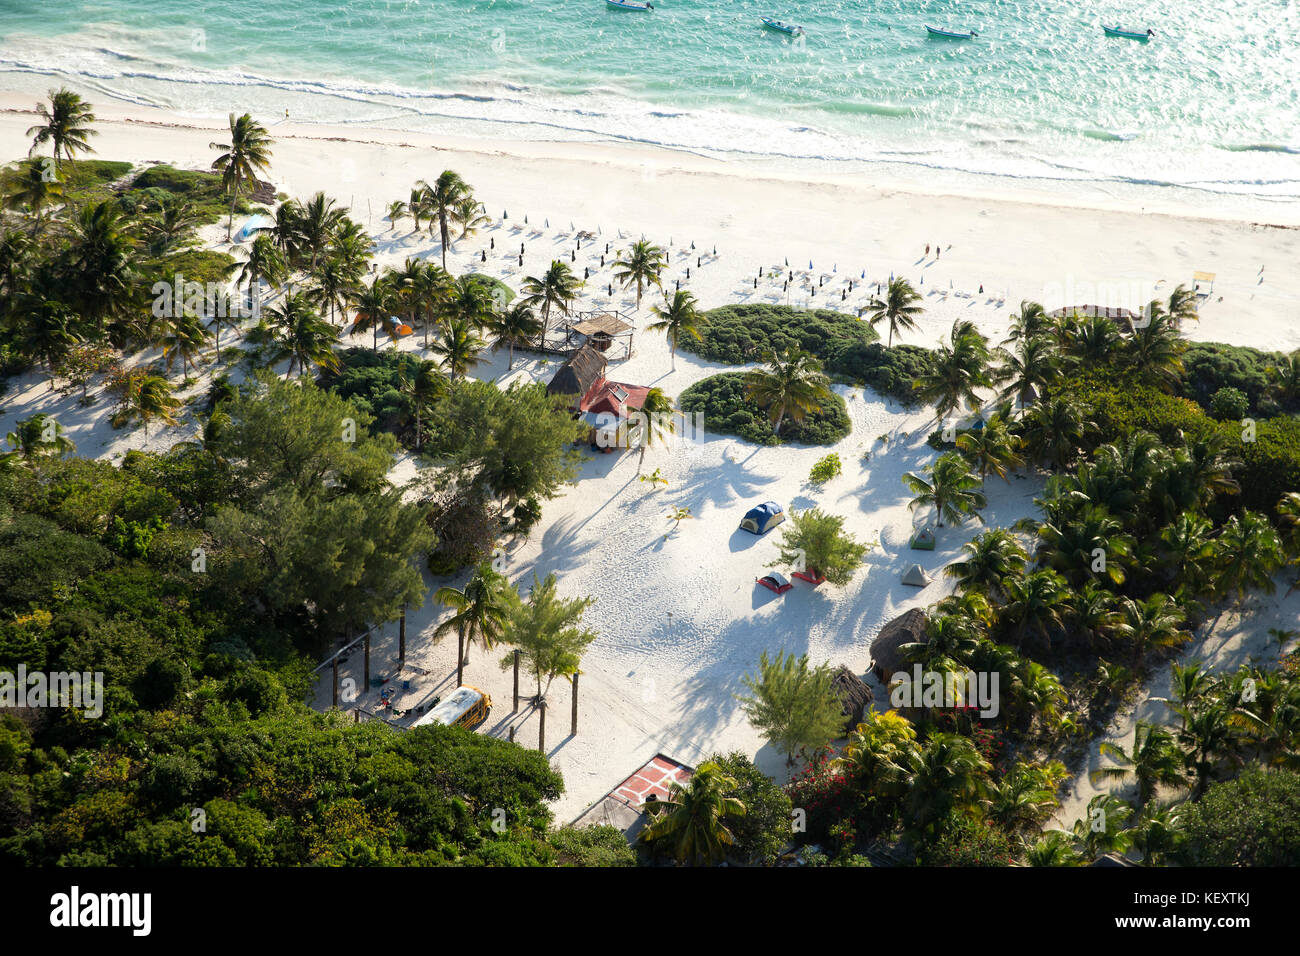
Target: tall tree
{"x": 556, "y": 288}
{"x": 479, "y": 612}
{"x": 548, "y": 631}
{"x": 793, "y": 704}
{"x": 692, "y": 820}
{"x": 677, "y": 317}
{"x": 951, "y": 489}
{"x": 791, "y": 386}
{"x": 247, "y": 154}
{"x": 641, "y": 265}
{"x": 898, "y": 307}
{"x": 66, "y": 125}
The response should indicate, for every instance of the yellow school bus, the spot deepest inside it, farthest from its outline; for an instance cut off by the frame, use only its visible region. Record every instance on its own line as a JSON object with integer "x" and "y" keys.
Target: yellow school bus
{"x": 466, "y": 707}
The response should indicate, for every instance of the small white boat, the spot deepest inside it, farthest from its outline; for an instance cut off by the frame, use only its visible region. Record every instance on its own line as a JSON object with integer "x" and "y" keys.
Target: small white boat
{"x": 630, "y": 5}
{"x": 789, "y": 29}
{"x": 1128, "y": 34}
{"x": 950, "y": 35}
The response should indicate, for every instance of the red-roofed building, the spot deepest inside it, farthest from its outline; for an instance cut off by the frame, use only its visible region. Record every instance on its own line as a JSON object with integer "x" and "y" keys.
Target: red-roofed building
{"x": 615, "y": 398}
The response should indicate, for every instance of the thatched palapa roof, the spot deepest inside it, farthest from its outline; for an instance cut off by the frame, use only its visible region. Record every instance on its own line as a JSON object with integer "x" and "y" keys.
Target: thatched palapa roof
{"x": 907, "y": 628}
{"x": 576, "y": 376}
{"x": 855, "y": 694}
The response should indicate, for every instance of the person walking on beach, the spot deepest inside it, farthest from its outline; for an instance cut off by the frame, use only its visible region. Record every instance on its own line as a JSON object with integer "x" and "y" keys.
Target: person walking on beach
{"x": 927, "y": 248}
{"x": 936, "y": 250}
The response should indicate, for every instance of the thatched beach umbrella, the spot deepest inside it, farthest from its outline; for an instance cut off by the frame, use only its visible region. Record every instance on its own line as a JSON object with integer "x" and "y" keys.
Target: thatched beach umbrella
{"x": 907, "y": 628}
{"x": 855, "y": 694}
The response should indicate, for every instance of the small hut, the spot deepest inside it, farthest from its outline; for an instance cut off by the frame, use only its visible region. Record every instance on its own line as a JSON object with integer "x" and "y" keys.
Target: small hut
{"x": 907, "y": 628}
{"x": 583, "y": 369}
{"x": 854, "y": 693}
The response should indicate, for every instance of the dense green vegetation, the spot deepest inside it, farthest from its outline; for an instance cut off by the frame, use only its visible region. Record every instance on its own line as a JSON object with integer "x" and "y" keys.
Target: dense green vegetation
{"x": 740, "y": 334}
{"x": 727, "y": 410}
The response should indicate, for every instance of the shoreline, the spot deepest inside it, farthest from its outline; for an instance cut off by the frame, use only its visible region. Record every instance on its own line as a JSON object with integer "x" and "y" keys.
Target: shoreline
{"x": 902, "y": 177}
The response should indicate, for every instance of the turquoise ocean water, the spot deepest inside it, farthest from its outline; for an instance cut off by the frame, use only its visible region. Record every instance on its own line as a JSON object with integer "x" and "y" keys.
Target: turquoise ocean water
{"x": 1211, "y": 105}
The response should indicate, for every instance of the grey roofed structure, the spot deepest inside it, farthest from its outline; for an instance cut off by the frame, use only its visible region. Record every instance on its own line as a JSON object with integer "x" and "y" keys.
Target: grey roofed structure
{"x": 575, "y": 377}
{"x": 854, "y": 693}
{"x": 907, "y": 628}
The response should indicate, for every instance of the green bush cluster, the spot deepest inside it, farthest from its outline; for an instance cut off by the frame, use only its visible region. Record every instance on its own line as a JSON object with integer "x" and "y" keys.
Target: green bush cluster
{"x": 721, "y": 398}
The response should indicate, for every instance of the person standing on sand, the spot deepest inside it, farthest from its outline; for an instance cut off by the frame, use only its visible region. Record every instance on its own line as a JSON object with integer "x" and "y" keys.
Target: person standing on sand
{"x": 936, "y": 250}
{"x": 927, "y": 248}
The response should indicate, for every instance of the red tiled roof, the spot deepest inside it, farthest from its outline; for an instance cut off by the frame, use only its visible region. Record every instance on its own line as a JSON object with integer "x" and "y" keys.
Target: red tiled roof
{"x": 601, "y": 397}
{"x": 654, "y": 778}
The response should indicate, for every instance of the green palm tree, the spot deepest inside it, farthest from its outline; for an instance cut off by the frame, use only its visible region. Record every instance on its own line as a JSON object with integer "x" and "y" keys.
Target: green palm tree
{"x": 39, "y": 436}
{"x": 641, "y": 265}
{"x": 1093, "y": 342}
{"x": 951, "y": 489}
{"x": 1154, "y": 760}
{"x": 1249, "y": 551}
{"x": 425, "y": 387}
{"x": 333, "y": 287}
{"x": 247, "y": 154}
{"x": 1154, "y": 347}
{"x": 374, "y": 305}
{"x": 678, "y": 316}
{"x": 1151, "y": 623}
{"x": 66, "y": 125}
{"x": 264, "y": 262}
{"x": 1182, "y": 305}
{"x": 989, "y": 558}
{"x": 145, "y": 396}
{"x": 1054, "y": 849}
{"x": 1028, "y": 369}
{"x": 470, "y": 215}
{"x": 791, "y": 386}
{"x": 104, "y": 265}
{"x": 1021, "y": 799}
{"x": 878, "y": 753}
{"x": 469, "y": 302}
{"x": 1054, "y": 431}
{"x": 1159, "y": 833}
{"x": 1208, "y": 740}
{"x": 1092, "y": 612}
{"x": 170, "y": 225}
{"x": 33, "y": 190}
{"x": 515, "y": 325}
{"x": 1038, "y": 602}
{"x": 316, "y": 222}
{"x": 426, "y": 286}
{"x": 480, "y": 614}
{"x": 1284, "y": 377}
{"x": 397, "y": 211}
{"x": 1190, "y": 551}
{"x": 557, "y": 288}
{"x": 1030, "y": 322}
{"x": 1076, "y": 547}
{"x": 948, "y": 775}
{"x": 899, "y": 308}
{"x": 46, "y": 330}
{"x": 655, "y": 422}
{"x": 992, "y": 448}
{"x": 692, "y": 821}
{"x": 305, "y": 339}
{"x": 956, "y": 371}
{"x": 184, "y": 337}
{"x": 459, "y": 347}
{"x": 287, "y": 236}
{"x": 443, "y": 202}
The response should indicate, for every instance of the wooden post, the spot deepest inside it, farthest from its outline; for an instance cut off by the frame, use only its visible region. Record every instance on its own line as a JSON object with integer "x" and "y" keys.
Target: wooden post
{"x": 516, "y": 708}
{"x": 366, "y": 685}
{"x": 541, "y": 727}
{"x": 512, "y": 733}
{"x": 401, "y": 637}
{"x": 573, "y": 730}
{"x": 336, "y": 680}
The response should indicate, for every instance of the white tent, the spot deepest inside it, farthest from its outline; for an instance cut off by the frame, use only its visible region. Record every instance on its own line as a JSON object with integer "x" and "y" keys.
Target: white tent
{"x": 916, "y": 576}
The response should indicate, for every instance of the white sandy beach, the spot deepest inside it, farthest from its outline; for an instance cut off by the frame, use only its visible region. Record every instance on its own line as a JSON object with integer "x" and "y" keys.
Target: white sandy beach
{"x": 680, "y": 618}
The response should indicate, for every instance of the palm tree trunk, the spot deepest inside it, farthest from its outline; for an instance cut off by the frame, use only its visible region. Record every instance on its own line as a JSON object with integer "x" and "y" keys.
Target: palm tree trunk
{"x": 460, "y": 656}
